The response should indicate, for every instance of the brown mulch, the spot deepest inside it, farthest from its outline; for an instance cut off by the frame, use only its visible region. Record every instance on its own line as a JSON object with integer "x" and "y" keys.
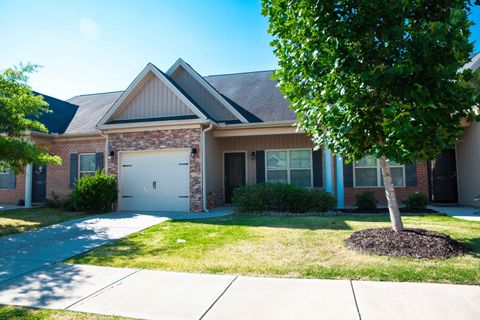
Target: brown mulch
{"x": 416, "y": 243}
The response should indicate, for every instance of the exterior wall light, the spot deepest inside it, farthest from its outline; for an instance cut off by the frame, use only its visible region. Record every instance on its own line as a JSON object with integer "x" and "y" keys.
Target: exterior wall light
{"x": 252, "y": 155}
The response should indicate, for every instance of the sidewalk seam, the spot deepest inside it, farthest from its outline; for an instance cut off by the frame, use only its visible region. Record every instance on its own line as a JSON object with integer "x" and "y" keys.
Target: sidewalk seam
{"x": 355, "y": 299}
{"x": 101, "y": 289}
{"x": 218, "y": 298}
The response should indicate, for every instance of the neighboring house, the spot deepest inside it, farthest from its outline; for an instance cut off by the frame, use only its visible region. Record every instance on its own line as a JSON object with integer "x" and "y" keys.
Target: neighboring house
{"x": 182, "y": 142}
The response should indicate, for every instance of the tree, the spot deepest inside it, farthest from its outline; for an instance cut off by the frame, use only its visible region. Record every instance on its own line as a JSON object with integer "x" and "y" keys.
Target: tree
{"x": 19, "y": 108}
{"x": 375, "y": 77}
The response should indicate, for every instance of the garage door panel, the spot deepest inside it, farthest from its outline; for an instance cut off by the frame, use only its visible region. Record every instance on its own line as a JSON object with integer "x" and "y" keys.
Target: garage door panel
{"x": 155, "y": 181}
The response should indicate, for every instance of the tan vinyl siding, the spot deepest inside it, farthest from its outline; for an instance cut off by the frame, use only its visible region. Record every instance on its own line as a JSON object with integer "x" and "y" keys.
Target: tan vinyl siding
{"x": 254, "y": 143}
{"x": 204, "y": 98}
{"x": 153, "y": 100}
{"x": 468, "y": 165}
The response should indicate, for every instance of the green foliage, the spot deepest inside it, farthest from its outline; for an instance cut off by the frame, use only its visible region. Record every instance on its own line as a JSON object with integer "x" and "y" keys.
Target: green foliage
{"x": 366, "y": 200}
{"x": 416, "y": 201}
{"x": 55, "y": 202}
{"x": 95, "y": 193}
{"x": 375, "y": 77}
{"x": 282, "y": 197}
{"x": 19, "y": 109}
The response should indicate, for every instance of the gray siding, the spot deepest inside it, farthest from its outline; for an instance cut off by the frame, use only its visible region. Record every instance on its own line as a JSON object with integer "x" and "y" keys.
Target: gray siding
{"x": 204, "y": 98}
{"x": 468, "y": 165}
{"x": 153, "y": 100}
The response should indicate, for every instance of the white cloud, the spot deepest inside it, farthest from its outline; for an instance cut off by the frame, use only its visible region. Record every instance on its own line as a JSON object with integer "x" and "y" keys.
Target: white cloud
{"x": 89, "y": 28}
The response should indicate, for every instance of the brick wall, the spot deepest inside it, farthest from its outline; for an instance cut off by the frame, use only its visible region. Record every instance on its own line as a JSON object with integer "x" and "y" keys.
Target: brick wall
{"x": 161, "y": 140}
{"x": 402, "y": 192}
{"x": 58, "y": 177}
{"x": 12, "y": 196}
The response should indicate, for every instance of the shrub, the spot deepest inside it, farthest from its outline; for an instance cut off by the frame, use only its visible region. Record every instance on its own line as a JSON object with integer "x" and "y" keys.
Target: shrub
{"x": 55, "y": 202}
{"x": 281, "y": 197}
{"x": 416, "y": 201}
{"x": 366, "y": 200}
{"x": 95, "y": 193}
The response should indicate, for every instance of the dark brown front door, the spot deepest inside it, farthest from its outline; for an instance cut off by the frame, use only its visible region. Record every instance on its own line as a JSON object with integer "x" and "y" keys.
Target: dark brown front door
{"x": 39, "y": 183}
{"x": 234, "y": 173}
{"x": 444, "y": 177}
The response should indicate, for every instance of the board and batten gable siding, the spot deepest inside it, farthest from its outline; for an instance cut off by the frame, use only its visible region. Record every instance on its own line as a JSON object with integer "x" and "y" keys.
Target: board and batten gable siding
{"x": 153, "y": 100}
{"x": 204, "y": 98}
{"x": 468, "y": 165}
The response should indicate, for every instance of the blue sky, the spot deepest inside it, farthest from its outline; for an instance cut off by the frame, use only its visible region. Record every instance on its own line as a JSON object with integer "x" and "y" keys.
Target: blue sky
{"x": 97, "y": 46}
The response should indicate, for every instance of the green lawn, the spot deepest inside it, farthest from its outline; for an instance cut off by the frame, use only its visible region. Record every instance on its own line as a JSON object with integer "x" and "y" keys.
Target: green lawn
{"x": 22, "y": 313}
{"x": 21, "y": 220}
{"x": 305, "y": 247}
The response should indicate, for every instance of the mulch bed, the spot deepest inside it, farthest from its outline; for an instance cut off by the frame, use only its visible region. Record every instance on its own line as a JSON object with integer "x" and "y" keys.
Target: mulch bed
{"x": 403, "y": 211}
{"x": 416, "y": 243}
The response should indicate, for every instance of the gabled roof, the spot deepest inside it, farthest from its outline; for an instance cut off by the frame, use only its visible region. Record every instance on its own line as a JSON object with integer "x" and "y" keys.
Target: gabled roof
{"x": 60, "y": 116}
{"x": 151, "y": 69}
{"x": 210, "y": 89}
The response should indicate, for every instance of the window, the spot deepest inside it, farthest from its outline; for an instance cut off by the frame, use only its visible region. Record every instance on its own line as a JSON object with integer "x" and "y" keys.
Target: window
{"x": 289, "y": 166}
{"x": 5, "y": 178}
{"x": 367, "y": 173}
{"x": 86, "y": 164}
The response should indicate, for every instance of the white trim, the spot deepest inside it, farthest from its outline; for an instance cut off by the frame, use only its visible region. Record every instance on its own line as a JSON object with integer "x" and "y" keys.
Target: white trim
{"x": 124, "y": 96}
{"x": 223, "y": 166}
{"x": 207, "y": 86}
{"x": 155, "y": 124}
{"x": 288, "y": 169}
{"x": 379, "y": 175}
{"x": 80, "y": 161}
{"x": 256, "y": 131}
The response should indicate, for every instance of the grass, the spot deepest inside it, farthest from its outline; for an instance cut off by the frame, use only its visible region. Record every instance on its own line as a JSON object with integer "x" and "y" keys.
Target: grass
{"x": 21, "y": 220}
{"x": 22, "y": 313}
{"x": 305, "y": 247}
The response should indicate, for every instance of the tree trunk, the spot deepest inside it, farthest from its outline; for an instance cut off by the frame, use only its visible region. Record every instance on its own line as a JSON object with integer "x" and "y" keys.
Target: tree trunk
{"x": 393, "y": 209}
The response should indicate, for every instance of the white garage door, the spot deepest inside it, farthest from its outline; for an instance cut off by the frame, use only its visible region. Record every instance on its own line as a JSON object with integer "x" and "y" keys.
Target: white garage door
{"x": 154, "y": 181}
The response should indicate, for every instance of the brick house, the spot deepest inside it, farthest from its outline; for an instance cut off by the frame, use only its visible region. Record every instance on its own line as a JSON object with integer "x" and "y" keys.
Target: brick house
{"x": 178, "y": 141}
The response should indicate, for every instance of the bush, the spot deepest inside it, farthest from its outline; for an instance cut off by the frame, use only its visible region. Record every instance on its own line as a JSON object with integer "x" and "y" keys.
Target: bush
{"x": 95, "y": 193}
{"x": 366, "y": 200}
{"x": 416, "y": 201}
{"x": 282, "y": 198}
{"x": 55, "y": 202}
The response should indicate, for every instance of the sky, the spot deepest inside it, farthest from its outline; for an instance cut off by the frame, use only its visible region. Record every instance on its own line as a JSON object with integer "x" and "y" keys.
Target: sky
{"x": 89, "y": 46}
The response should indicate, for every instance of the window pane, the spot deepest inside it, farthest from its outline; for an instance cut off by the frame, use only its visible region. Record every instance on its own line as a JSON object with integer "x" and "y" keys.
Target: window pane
{"x": 397, "y": 177}
{"x": 276, "y": 159}
{"x": 366, "y": 161}
{"x": 393, "y": 163}
{"x": 4, "y": 180}
{"x": 277, "y": 176}
{"x": 87, "y": 162}
{"x": 300, "y": 159}
{"x": 365, "y": 177}
{"x": 302, "y": 178}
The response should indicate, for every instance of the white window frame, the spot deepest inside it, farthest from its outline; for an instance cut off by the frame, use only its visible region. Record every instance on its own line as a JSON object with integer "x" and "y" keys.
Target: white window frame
{"x": 7, "y": 171}
{"x": 379, "y": 174}
{"x": 80, "y": 162}
{"x": 288, "y": 164}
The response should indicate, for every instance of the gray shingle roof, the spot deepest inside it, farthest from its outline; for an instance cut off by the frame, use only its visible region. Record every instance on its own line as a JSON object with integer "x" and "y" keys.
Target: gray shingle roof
{"x": 60, "y": 116}
{"x": 92, "y": 107}
{"x": 255, "y": 92}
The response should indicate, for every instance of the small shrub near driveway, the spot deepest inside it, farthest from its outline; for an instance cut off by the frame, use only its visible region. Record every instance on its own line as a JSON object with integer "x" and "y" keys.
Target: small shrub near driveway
{"x": 282, "y": 198}
{"x": 416, "y": 201}
{"x": 366, "y": 201}
{"x": 95, "y": 193}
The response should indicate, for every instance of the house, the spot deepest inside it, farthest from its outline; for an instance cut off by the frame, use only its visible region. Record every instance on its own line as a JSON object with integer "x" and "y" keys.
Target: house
{"x": 178, "y": 141}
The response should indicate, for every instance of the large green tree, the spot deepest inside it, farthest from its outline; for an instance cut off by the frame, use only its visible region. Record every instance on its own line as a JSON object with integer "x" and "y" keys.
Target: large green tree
{"x": 376, "y": 77}
{"x": 19, "y": 109}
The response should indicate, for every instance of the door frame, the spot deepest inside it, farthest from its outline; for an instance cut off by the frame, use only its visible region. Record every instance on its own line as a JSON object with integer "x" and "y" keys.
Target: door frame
{"x": 119, "y": 172}
{"x": 431, "y": 187}
{"x": 223, "y": 167}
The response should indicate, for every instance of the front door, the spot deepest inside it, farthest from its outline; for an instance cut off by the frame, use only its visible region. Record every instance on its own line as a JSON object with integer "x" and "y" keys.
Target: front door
{"x": 234, "y": 173}
{"x": 444, "y": 177}
{"x": 39, "y": 183}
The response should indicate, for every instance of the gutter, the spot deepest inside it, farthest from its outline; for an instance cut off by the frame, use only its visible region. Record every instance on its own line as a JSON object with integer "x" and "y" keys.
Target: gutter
{"x": 204, "y": 165}
{"x": 268, "y": 124}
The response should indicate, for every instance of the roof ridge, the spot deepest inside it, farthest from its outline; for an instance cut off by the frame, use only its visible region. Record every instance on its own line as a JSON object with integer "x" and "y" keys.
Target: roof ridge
{"x": 96, "y": 93}
{"x": 229, "y": 74}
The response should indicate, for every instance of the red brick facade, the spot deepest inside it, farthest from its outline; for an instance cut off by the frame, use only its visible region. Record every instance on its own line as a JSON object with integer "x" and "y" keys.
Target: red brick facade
{"x": 162, "y": 140}
{"x": 402, "y": 192}
{"x": 12, "y": 196}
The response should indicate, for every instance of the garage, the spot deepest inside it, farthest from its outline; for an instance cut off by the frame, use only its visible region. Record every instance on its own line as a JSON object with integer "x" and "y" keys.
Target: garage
{"x": 154, "y": 181}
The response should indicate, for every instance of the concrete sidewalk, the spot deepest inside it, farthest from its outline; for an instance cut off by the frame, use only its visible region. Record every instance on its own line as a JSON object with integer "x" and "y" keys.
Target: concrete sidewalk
{"x": 169, "y": 295}
{"x": 464, "y": 213}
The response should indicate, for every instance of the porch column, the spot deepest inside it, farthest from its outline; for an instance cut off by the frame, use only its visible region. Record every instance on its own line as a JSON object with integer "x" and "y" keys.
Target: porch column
{"x": 28, "y": 185}
{"x": 328, "y": 171}
{"x": 340, "y": 191}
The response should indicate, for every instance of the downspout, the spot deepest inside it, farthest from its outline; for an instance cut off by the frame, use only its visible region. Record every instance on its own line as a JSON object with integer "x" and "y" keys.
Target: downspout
{"x": 105, "y": 167}
{"x": 204, "y": 165}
